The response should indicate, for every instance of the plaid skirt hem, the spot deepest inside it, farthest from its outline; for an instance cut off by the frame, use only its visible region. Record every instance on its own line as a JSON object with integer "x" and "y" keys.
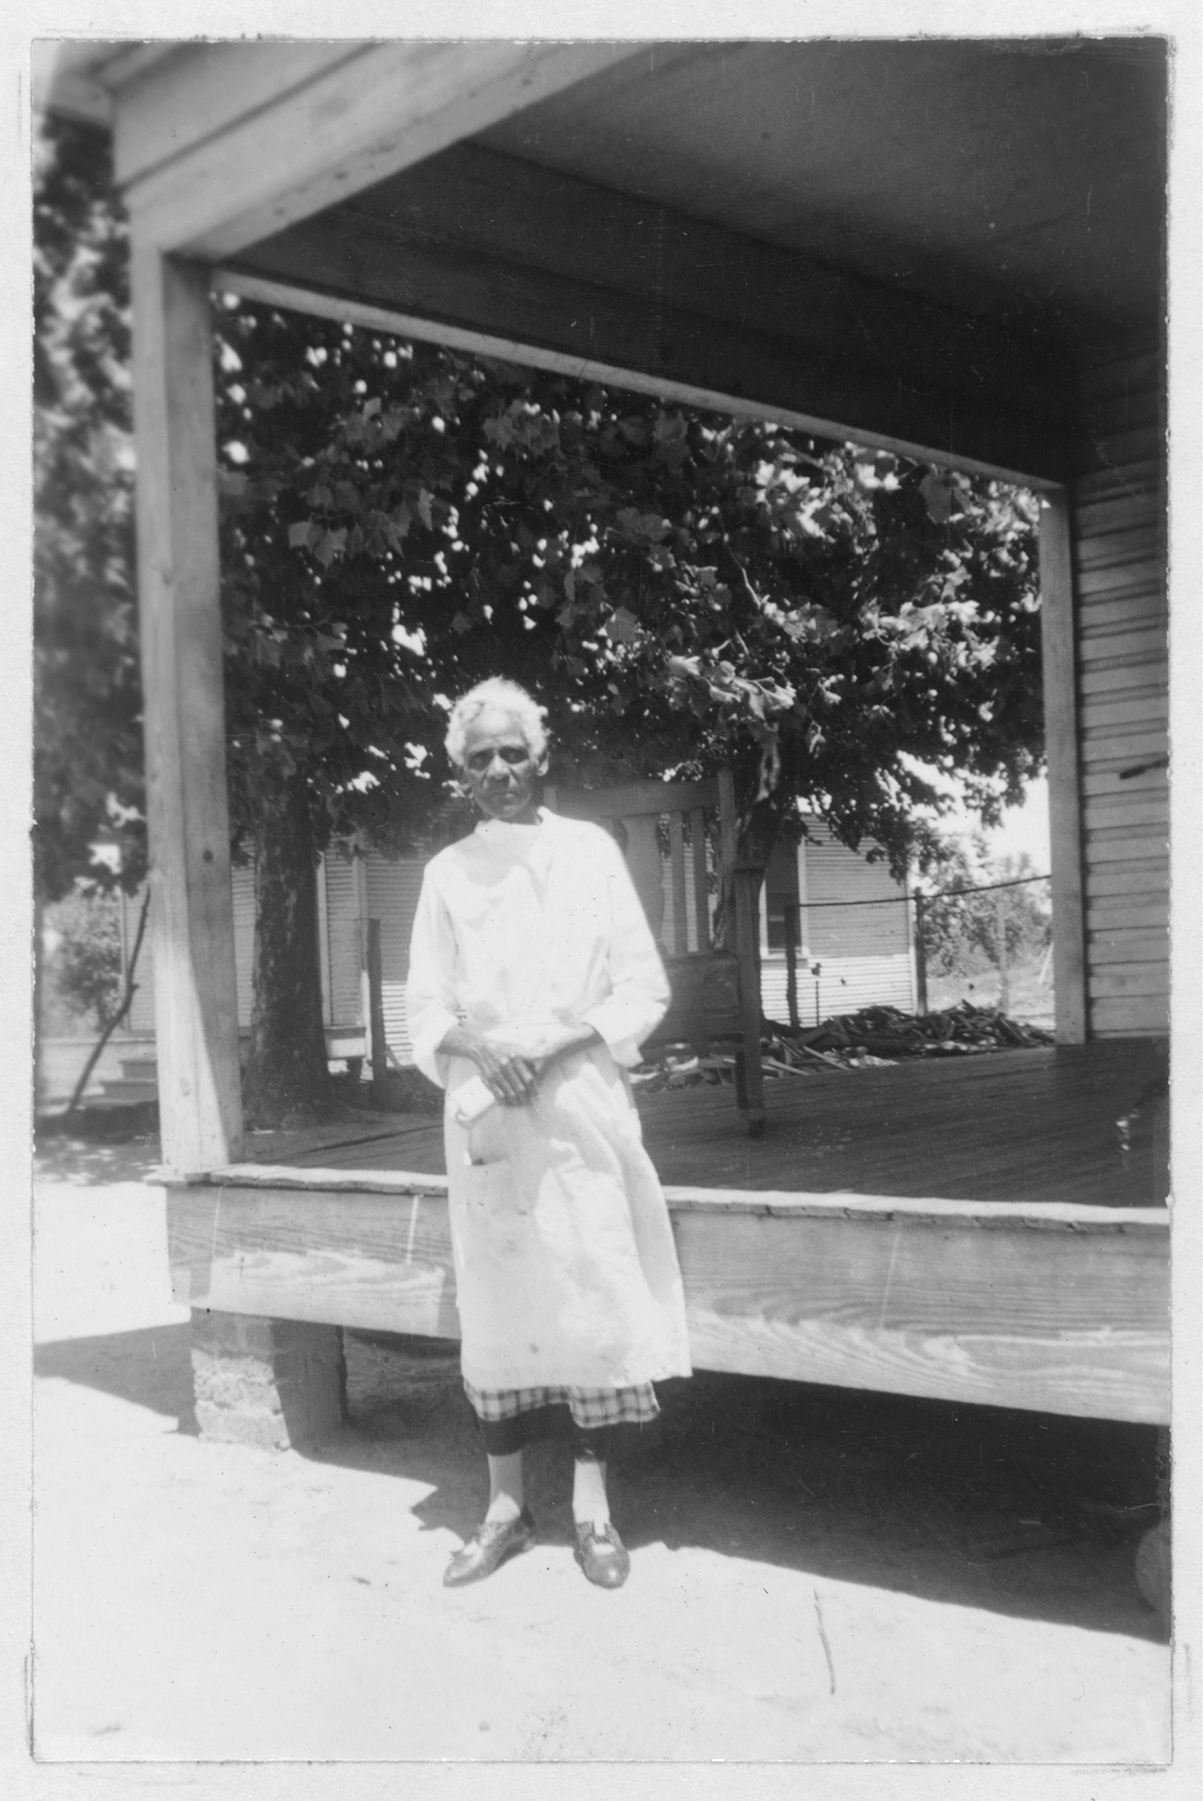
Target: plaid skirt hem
{"x": 591, "y": 1408}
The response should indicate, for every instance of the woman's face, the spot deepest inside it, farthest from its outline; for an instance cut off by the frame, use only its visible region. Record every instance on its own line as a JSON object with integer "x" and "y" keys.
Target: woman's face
{"x": 499, "y": 771}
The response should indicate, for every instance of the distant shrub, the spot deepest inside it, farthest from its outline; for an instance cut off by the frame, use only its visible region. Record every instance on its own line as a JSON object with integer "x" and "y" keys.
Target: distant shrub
{"x": 82, "y": 968}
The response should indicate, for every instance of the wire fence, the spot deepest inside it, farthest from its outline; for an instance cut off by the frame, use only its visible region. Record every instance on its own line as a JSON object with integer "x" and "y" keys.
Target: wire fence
{"x": 918, "y": 894}
{"x": 919, "y": 899}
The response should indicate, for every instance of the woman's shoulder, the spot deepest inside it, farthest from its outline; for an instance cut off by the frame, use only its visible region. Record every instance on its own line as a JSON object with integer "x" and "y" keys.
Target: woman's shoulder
{"x": 447, "y": 861}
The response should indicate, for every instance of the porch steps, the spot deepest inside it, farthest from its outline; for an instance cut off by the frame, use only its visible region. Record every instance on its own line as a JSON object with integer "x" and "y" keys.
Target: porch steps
{"x": 137, "y": 1082}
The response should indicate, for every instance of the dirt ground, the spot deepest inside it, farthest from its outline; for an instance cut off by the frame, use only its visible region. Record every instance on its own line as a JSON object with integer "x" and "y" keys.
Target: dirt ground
{"x": 817, "y": 1574}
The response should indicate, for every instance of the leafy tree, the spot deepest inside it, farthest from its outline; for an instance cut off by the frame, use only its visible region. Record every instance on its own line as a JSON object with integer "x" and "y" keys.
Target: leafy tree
{"x": 960, "y": 930}
{"x": 87, "y": 693}
{"x": 83, "y": 977}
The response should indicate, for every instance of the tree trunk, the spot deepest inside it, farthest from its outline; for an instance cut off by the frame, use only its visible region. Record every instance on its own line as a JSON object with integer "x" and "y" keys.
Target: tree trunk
{"x": 287, "y": 1070}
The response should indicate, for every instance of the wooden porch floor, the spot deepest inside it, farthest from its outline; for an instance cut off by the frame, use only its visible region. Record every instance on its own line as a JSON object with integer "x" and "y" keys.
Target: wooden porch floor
{"x": 1020, "y": 1126}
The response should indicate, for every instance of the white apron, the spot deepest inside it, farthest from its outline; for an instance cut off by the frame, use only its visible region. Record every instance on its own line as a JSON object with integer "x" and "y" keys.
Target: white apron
{"x": 565, "y": 1265}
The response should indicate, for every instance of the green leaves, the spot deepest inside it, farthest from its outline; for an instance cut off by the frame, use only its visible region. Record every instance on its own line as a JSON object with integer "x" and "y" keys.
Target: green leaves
{"x": 622, "y": 627}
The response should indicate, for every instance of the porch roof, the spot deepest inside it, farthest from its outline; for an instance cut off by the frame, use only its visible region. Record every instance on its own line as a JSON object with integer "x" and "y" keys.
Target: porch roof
{"x": 899, "y": 240}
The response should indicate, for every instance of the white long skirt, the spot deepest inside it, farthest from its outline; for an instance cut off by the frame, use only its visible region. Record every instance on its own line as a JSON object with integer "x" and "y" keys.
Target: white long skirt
{"x": 565, "y": 1266}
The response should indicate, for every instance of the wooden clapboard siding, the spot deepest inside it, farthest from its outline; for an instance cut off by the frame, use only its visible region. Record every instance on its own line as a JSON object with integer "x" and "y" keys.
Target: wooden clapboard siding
{"x": 845, "y": 985}
{"x": 393, "y": 887}
{"x": 344, "y": 939}
{"x": 861, "y": 943}
{"x": 1122, "y": 627}
{"x": 242, "y": 882}
{"x": 875, "y": 928}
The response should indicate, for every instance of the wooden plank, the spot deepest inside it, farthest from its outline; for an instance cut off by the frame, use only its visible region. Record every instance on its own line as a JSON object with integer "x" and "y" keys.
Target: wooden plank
{"x": 676, "y": 853}
{"x": 633, "y": 798}
{"x": 346, "y": 129}
{"x": 1013, "y": 1128}
{"x": 1128, "y": 841}
{"x": 476, "y": 203}
{"x": 1129, "y": 746}
{"x": 368, "y": 1260}
{"x": 1119, "y": 915}
{"x": 1118, "y": 511}
{"x": 747, "y": 948}
{"x": 1143, "y": 477}
{"x": 1111, "y": 943}
{"x": 727, "y": 821}
{"x": 1147, "y": 1014}
{"x": 1122, "y": 780}
{"x": 196, "y": 1005}
{"x": 1141, "y": 675}
{"x": 1107, "y": 548}
{"x": 1150, "y": 877}
{"x": 1129, "y": 578}
{"x": 1066, "y": 1319}
{"x": 1135, "y": 810}
{"x": 701, "y": 889}
{"x": 200, "y": 90}
{"x": 1138, "y": 978}
{"x": 403, "y": 1185}
{"x": 1133, "y": 644}
{"x": 830, "y": 387}
{"x": 1143, "y": 606}
{"x": 1061, "y": 750}
{"x": 1101, "y": 713}
{"x": 709, "y": 385}
{"x": 1016, "y": 1320}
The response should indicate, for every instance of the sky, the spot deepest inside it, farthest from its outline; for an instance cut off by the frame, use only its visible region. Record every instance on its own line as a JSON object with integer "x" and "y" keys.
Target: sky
{"x": 1023, "y": 828}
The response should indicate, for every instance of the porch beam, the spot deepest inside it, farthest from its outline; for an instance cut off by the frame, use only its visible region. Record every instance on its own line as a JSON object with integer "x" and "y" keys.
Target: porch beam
{"x": 332, "y": 130}
{"x": 502, "y": 210}
{"x": 485, "y": 250}
{"x": 196, "y": 1010}
{"x": 1062, "y": 751}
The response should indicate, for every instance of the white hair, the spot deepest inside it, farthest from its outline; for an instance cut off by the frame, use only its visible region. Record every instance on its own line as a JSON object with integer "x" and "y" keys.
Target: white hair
{"x": 504, "y": 697}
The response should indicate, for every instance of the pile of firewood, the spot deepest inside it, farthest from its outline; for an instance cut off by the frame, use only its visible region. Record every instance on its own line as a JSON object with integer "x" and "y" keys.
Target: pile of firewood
{"x": 888, "y": 1034}
{"x": 874, "y": 1038}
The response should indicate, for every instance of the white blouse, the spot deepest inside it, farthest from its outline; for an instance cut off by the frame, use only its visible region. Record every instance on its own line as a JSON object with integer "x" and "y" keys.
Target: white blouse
{"x": 522, "y": 930}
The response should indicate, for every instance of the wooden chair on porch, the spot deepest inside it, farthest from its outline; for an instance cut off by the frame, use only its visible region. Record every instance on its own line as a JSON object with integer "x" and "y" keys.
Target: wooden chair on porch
{"x": 676, "y": 836}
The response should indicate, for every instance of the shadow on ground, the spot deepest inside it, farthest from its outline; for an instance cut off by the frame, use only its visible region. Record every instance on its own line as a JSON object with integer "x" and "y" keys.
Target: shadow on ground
{"x": 88, "y": 1162}
{"x": 1029, "y": 1515}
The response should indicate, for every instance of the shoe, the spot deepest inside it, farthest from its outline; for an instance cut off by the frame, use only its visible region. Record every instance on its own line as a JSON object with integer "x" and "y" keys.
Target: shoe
{"x": 602, "y": 1555}
{"x": 487, "y": 1549}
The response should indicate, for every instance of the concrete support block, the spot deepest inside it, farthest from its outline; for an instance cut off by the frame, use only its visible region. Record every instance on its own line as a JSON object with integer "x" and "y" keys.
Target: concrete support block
{"x": 280, "y": 1384}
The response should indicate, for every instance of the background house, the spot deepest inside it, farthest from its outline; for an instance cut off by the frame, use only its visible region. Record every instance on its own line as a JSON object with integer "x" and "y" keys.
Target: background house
{"x": 862, "y": 947}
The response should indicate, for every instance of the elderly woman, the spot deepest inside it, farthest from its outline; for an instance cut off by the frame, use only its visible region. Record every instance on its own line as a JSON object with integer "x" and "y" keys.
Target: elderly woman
{"x": 533, "y": 970}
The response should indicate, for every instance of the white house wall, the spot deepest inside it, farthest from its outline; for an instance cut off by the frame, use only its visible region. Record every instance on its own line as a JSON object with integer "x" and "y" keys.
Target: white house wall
{"x": 392, "y": 898}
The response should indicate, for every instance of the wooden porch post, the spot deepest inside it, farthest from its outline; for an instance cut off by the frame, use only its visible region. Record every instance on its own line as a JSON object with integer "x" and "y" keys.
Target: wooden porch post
{"x": 196, "y": 1013}
{"x": 1058, "y": 632}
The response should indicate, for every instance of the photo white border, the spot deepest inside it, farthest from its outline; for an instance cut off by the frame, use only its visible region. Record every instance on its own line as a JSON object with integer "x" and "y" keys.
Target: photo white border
{"x": 1178, "y": 20}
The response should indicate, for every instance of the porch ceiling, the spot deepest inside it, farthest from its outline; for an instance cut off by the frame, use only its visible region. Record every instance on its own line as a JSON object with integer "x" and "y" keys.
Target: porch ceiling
{"x": 1016, "y": 181}
{"x": 895, "y": 240}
